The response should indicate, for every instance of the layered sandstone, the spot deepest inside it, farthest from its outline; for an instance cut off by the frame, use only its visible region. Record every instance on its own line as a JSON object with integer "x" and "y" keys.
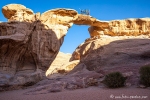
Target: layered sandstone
{"x": 127, "y": 27}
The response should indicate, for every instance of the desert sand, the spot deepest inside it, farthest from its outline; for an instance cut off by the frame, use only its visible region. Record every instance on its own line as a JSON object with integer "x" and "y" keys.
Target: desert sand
{"x": 91, "y": 93}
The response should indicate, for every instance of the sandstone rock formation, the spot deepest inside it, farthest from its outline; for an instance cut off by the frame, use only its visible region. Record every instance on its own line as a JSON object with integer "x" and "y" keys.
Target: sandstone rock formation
{"x": 18, "y": 12}
{"x": 117, "y": 30}
{"x": 113, "y": 51}
{"x": 128, "y": 27}
{"x": 89, "y": 20}
{"x": 122, "y": 46}
{"x": 29, "y": 43}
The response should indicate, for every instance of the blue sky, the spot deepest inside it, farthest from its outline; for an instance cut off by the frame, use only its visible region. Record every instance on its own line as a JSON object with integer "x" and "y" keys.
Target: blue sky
{"x": 100, "y": 9}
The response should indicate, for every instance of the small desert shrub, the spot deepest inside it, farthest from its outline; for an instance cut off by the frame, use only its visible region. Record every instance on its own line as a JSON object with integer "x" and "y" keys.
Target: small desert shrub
{"x": 114, "y": 80}
{"x": 145, "y": 75}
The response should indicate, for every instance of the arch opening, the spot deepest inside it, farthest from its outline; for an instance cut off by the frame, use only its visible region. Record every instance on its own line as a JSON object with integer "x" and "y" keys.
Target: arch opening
{"x": 76, "y": 35}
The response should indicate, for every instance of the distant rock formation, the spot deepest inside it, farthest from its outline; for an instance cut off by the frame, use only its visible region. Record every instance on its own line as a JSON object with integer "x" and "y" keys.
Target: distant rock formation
{"x": 60, "y": 60}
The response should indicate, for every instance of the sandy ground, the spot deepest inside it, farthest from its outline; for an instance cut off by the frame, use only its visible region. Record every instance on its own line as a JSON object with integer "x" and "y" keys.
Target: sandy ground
{"x": 91, "y": 93}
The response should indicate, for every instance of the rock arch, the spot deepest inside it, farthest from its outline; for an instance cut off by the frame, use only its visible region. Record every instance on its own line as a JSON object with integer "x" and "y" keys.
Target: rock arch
{"x": 42, "y": 34}
{"x": 30, "y": 41}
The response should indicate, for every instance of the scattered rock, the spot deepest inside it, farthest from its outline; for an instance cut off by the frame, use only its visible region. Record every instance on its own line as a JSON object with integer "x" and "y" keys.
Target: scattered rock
{"x": 127, "y": 74}
{"x": 78, "y": 80}
{"x": 128, "y": 84}
{"x": 142, "y": 86}
{"x": 148, "y": 88}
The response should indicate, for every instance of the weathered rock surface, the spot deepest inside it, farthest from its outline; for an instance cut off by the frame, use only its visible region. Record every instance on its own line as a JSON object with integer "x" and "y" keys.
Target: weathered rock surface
{"x": 89, "y": 20}
{"x": 13, "y": 11}
{"x": 127, "y": 27}
{"x": 111, "y": 51}
{"x": 118, "y": 53}
{"x": 122, "y": 45}
{"x": 79, "y": 79}
{"x": 107, "y": 33}
{"x": 30, "y": 42}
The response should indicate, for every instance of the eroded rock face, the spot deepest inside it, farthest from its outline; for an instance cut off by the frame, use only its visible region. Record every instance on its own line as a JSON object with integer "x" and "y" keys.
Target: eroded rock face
{"x": 30, "y": 42}
{"x": 122, "y": 45}
{"x": 89, "y": 20}
{"x": 119, "y": 53}
{"x": 113, "y": 51}
{"x": 107, "y": 32}
{"x": 128, "y": 27}
{"x": 18, "y": 12}
{"x": 130, "y": 30}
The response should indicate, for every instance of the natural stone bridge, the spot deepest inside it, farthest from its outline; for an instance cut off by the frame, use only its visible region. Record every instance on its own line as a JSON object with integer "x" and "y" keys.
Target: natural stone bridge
{"x": 29, "y": 41}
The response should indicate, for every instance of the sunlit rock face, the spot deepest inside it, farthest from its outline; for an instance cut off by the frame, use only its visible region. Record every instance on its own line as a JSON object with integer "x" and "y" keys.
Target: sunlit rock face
{"x": 128, "y": 27}
{"x": 57, "y": 65}
{"x": 89, "y": 20}
{"x": 18, "y": 12}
